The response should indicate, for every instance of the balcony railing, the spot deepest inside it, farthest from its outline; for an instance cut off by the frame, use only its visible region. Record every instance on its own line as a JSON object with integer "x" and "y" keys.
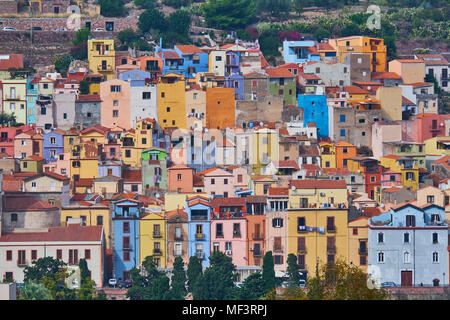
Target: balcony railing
{"x": 301, "y": 250}
{"x": 362, "y": 251}
{"x": 258, "y": 236}
{"x": 434, "y": 129}
{"x": 278, "y": 249}
{"x": 303, "y": 267}
{"x": 331, "y": 229}
{"x": 200, "y": 255}
{"x": 301, "y": 229}
{"x": 219, "y": 235}
{"x": 257, "y": 253}
{"x": 105, "y": 68}
{"x": 199, "y": 236}
{"x": 157, "y": 234}
{"x": 178, "y": 253}
{"x": 4, "y": 140}
{"x": 236, "y": 234}
{"x": 178, "y": 238}
{"x": 157, "y": 252}
{"x": 21, "y": 263}
{"x": 331, "y": 249}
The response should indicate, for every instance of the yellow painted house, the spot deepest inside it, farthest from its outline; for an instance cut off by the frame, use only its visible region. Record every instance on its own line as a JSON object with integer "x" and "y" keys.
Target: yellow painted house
{"x": 264, "y": 148}
{"x": 84, "y": 160}
{"x": 358, "y": 242}
{"x": 91, "y": 214}
{"x": 437, "y": 146}
{"x": 317, "y": 236}
{"x": 406, "y": 166}
{"x": 175, "y": 200}
{"x": 172, "y": 101}
{"x": 134, "y": 141}
{"x": 261, "y": 184}
{"x": 374, "y": 47}
{"x": 70, "y": 139}
{"x": 312, "y": 193}
{"x": 152, "y": 237}
{"x": 102, "y": 57}
{"x": 32, "y": 163}
{"x": 14, "y": 94}
{"x": 327, "y": 155}
{"x": 95, "y": 133}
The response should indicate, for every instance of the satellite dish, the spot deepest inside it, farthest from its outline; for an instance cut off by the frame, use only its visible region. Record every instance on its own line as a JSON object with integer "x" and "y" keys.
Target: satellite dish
{"x": 156, "y": 195}
{"x": 261, "y": 124}
{"x": 293, "y": 188}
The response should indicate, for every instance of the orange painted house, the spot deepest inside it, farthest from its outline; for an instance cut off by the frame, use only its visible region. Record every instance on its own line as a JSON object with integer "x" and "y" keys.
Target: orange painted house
{"x": 256, "y": 229}
{"x": 344, "y": 151}
{"x": 181, "y": 178}
{"x": 220, "y": 108}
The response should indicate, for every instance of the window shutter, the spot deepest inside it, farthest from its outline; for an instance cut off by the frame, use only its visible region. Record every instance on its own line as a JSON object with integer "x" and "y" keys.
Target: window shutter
{"x": 281, "y": 222}
{"x": 273, "y": 223}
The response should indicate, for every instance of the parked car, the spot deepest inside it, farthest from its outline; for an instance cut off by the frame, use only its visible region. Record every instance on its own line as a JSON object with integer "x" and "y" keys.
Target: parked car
{"x": 9, "y": 29}
{"x": 61, "y": 29}
{"x": 35, "y": 28}
{"x": 99, "y": 29}
{"x": 388, "y": 284}
{"x": 302, "y": 283}
{"x": 112, "y": 282}
{"x": 125, "y": 283}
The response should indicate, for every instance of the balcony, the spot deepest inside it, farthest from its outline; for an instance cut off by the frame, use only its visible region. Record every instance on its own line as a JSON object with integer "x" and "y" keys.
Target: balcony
{"x": 435, "y": 129}
{"x": 178, "y": 253}
{"x": 157, "y": 252}
{"x": 236, "y": 234}
{"x": 21, "y": 263}
{"x": 277, "y": 249}
{"x": 219, "y": 235}
{"x": 331, "y": 249}
{"x": 199, "y": 236}
{"x": 178, "y": 238}
{"x": 126, "y": 249}
{"x": 331, "y": 229}
{"x": 107, "y": 68}
{"x": 362, "y": 251}
{"x": 6, "y": 140}
{"x": 157, "y": 234}
{"x": 258, "y": 236}
{"x": 301, "y": 250}
{"x": 302, "y": 267}
{"x": 13, "y": 97}
{"x": 301, "y": 229}
{"x": 257, "y": 253}
{"x": 200, "y": 255}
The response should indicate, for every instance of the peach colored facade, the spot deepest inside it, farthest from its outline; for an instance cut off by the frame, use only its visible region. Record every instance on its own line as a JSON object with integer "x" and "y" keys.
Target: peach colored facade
{"x": 23, "y": 145}
{"x": 240, "y": 177}
{"x": 384, "y": 133}
{"x": 279, "y": 231}
{"x": 219, "y": 182}
{"x": 238, "y": 249}
{"x": 195, "y": 107}
{"x": 256, "y": 231}
{"x": 115, "y": 96}
{"x": 411, "y": 71}
{"x": 60, "y": 166}
{"x": 181, "y": 178}
{"x": 391, "y": 102}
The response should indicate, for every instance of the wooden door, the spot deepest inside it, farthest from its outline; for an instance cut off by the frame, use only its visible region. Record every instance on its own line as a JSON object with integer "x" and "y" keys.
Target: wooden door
{"x": 406, "y": 278}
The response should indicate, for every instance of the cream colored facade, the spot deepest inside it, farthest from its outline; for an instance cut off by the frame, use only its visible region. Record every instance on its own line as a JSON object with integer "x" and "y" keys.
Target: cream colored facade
{"x": 411, "y": 71}
{"x": 391, "y": 102}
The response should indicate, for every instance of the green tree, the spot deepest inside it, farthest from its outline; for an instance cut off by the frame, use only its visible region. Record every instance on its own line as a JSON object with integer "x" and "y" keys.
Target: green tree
{"x": 431, "y": 79}
{"x": 229, "y": 14}
{"x": 194, "y": 272}
{"x": 81, "y": 36}
{"x": 112, "y": 8}
{"x": 161, "y": 288}
{"x": 178, "y": 291}
{"x": 34, "y": 291}
{"x": 253, "y": 287}
{"x": 84, "y": 87}
{"x": 144, "y": 281}
{"x": 322, "y": 33}
{"x": 152, "y": 19}
{"x": 177, "y": 3}
{"x": 127, "y": 37}
{"x": 145, "y": 4}
{"x": 7, "y": 119}
{"x": 62, "y": 63}
{"x": 341, "y": 281}
{"x": 275, "y": 7}
{"x": 268, "y": 273}
{"x": 180, "y": 21}
{"x": 293, "y": 271}
{"x": 217, "y": 282}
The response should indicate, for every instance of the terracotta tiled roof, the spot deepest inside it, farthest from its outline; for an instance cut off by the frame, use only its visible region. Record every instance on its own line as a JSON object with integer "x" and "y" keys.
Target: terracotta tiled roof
{"x": 308, "y": 151}
{"x": 290, "y": 164}
{"x": 279, "y": 73}
{"x": 309, "y": 76}
{"x": 84, "y": 182}
{"x": 371, "y": 211}
{"x": 420, "y": 84}
{"x": 392, "y": 156}
{"x": 33, "y": 158}
{"x": 325, "y": 46}
{"x": 313, "y": 50}
{"x": 198, "y": 181}
{"x": 343, "y": 144}
{"x": 132, "y": 176}
{"x": 171, "y": 55}
{"x": 444, "y": 160}
{"x": 255, "y": 199}
{"x": 263, "y": 177}
{"x": 175, "y": 212}
{"x": 278, "y": 191}
{"x": 337, "y": 171}
{"x": 407, "y": 102}
{"x": 180, "y": 166}
{"x": 385, "y": 75}
{"x": 356, "y": 90}
{"x": 391, "y": 189}
{"x": 14, "y": 61}
{"x": 99, "y": 128}
{"x": 25, "y": 203}
{"x": 433, "y": 59}
{"x": 188, "y": 49}
{"x": 221, "y": 202}
{"x": 88, "y": 98}
{"x": 207, "y": 171}
{"x": 72, "y": 232}
{"x": 75, "y": 77}
{"x": 410, "y": 60}
{"x": 318, "y": 184}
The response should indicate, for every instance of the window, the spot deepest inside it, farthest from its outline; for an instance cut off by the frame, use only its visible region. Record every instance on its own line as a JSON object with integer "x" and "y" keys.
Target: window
{"x": 355, "y": 231}
{"x": 342, "y": 118}
{"x": 301, "y": 224}
{"x": 430, "y": 199}
{"x": 362, "y": 260}
{"x": 146, "y": 95}
{"x": 73, "y": 256}
{"x": 126, "y": 256}
{"x": 278, "y": 259}
{"x": 65, "y": 115}
{"x": 128, "y": 153}
{"x": 115, "y": 113}
{"x": 144, "y": 140}
{"x": 406, "y": 237}
{"x": 126, "y": 227}
{"x": 435, "y": 238}
{"x": 99, "y": 220}
{"x": 179, "y": 176}
{"x": 342, "y": 132}
{"x": 277, "y": 222}
{"x": 9, "y": 276}
{"x": 410, "y": 176}
{"x": 126, "y": 242}
{"x": 352, "y": 179}
{"x": 406, "y": 257}
{"x": 380, "y": 257}
{"x": 213, "y": 181}
{"x": 13, "y": 217}
{"x": 59, "y": 254}
{"x": 9, "y": 255}
{"x": 115, "y": 88}
{"x": 225, "y": 181}
{"x": 410, "y": 221}
{"x": 168, "y": 109}
{"x": 134, "y": 187}
{"x": 380, "y": 237}
{"x": 363, "y": 133}
{"x": 219, "y": 230}
{"x": 236, "y": 229}
{"x": 87, "y": 254}
{"x": 435, "y": 257}
{"x": 163, "y": 94}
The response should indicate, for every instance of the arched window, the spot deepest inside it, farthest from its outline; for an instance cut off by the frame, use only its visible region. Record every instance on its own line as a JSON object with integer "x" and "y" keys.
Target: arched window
{"x": 435, "y": 257}
{"x": 381, "y": 257}
{"x": 406, "y": 257}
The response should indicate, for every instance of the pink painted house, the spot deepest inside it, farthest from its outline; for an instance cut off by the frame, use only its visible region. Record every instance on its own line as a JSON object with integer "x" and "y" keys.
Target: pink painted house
{"x": 240, "y": 176}
{"x": 229, "y": 229}
{"x": 7, "y": 135}
{"x": 115, "y": 96}
{"x": 425, "y": 126}
{"x": 60, "y": 166}
{"x": 218, "y": 182}
{"x": 391, "y": 179}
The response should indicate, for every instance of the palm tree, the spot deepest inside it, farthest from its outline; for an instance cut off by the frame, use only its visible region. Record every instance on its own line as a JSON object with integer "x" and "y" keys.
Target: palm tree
{"x": 34, "y": 291}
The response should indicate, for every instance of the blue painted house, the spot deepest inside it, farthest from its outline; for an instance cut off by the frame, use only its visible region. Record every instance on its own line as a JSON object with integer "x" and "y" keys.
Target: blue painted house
{"x": 315, "y": 109}
{"x": 32, "y": 95}
{"x": 195, "y": 60}
{"x": 125, "y": 219}
{"x": 236, "y": 81}
{"x": 300, "y": 51}
{"x": 52, "y": 144}
{"x": 136, "y": 78}
{"x": 112, "y": 168}
{"x": 198, "y": 209}
{"x": 408, "y": 246}
{"x": 232, "y": 63}
{"x": 173, "y": 62}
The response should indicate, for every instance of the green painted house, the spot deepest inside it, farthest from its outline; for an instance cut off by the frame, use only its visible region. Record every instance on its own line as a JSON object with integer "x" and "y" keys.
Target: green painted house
{"x": 154, "y": 168}
{"x": 283, "y": 83}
